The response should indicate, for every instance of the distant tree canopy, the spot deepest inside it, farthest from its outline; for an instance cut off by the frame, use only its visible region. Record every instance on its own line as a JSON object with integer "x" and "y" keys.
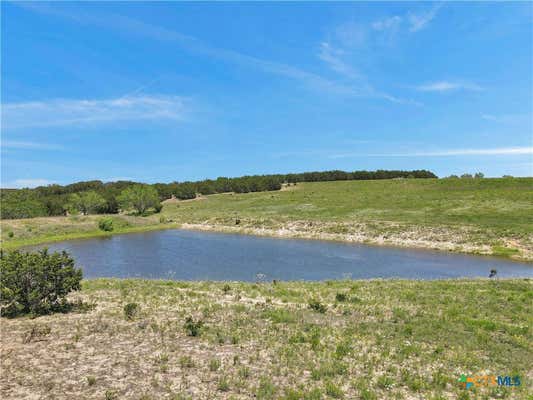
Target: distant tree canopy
{"x": 88, "y": 202}
{"x": 97, "y": 197}
{"x": 139, "y": 198}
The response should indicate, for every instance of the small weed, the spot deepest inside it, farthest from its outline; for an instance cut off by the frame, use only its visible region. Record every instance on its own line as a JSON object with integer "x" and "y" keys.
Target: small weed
{"x": 91, "y": 380}
{"x": 223, "y": 384}
{"x": 110, "y": 395}
{"x": 266, "y": 390}
{"x": 214, "y": 364}
{"x": 186, "y": 362}
{"x": 244, "y": 372}
{"x": 333, "y": 390}
{"x": 37, "y": 333}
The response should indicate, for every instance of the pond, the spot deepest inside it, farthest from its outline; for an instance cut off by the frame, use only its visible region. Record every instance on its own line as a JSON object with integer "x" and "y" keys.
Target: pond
{"x": 192, "y": 255}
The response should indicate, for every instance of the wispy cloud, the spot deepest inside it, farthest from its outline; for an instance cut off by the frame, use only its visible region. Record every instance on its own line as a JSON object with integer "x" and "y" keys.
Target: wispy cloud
{"x": 445, "y": 86}
{"x": 509, "y": 151}
{"x": 419, "y": 21}
{"x": 13, "y": 144}
{"x": 357, "y": 83}
{"x": 388, "y": 24}
{"x": 58, "y": 112}
{"x": 412, "y": 22}
{"x": 507, "y": 118}
{"x": 196, "y": 46}
{"x": 333, "y": 57}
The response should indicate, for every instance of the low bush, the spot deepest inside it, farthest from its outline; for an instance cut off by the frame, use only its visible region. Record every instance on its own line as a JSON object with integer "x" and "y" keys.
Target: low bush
{"x": 193, "y": 327}
{"x": 341, "y": 297}
{"x": 130, "y": 311}
{"x": 105, "y": 224}
{"x": 36, "y": 283}
{"x": 317, "y": 306}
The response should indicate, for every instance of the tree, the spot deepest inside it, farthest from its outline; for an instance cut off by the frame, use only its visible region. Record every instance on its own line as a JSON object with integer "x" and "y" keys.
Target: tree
{"x": 36, "y": 283}
{"x": 86, "y": 202}
{"x": 139, "y": 197}
{"x": 479, "y": 175}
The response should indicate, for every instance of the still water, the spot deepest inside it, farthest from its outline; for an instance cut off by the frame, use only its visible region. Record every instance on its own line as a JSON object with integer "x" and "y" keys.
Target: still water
{"x": 191, "y": 255}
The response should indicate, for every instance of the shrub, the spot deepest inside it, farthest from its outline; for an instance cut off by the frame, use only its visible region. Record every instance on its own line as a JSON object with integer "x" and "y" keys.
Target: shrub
{"x": 10, "y": 234}
{"x": 105, "y": 224}
{"x": 317, "y": 306}
{"x": 193, "y": 327}
{"x": 130, "y": 311}
{"x": 162, "y": 219}
{"x": 341, "y": 297}
{"x": 36, "y": 283}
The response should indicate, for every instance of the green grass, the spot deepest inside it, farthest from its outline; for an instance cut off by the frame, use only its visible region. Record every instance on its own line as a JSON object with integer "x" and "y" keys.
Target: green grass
{"x": 401, "y": 340}
{"x": 505, "y": 205}
{"x": 489, "y": 216}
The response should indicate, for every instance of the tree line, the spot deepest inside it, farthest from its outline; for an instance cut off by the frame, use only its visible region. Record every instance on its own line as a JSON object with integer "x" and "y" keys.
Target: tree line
{"x": 97, "y": 197}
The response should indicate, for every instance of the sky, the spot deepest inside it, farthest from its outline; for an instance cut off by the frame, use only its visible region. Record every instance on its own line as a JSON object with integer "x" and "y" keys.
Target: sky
{"x": 166, "y": 91}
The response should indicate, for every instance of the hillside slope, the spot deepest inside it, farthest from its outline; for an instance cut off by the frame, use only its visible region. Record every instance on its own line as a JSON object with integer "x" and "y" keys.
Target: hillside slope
{"x": 486, "y": 216}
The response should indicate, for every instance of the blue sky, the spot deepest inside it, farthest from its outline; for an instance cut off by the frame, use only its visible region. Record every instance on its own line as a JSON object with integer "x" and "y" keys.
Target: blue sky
{"x": 158, "y": 92}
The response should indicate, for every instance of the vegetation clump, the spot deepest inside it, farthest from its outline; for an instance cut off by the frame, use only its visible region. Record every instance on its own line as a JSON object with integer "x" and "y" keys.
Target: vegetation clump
{"x": 105, "y": 224}
{"x": 36, "y": 283}
{"x": 316, "y": 305}
{"x": 192, "y": 327}
{"x": 131, "y": 310}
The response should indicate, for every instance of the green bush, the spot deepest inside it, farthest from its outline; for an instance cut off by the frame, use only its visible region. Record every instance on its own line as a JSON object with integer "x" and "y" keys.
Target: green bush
{"x": 105, "y": 224}
{"x": 36, "y": 283}
{"x": 130, "y": 311}
{"x": 341, "y": 297}
{"x": 193, "y": 327}
{"x": 10, "y": 234}
{"x": 317, "y": 306}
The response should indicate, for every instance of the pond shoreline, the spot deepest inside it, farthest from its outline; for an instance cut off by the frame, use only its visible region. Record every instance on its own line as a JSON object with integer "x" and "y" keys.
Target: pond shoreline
{"x": 294, "y": 230}
{"x": 361, "y": 238}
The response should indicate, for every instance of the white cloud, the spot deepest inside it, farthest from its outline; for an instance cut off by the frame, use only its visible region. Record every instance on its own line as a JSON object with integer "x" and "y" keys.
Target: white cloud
{"x": 389, "y": 23}
{"x": 507, "y": 118}
{"x": 58, "y": 112}
{"x": 446, "y": 153}
{"x": 445, "y": 86}
{"x": 12, "y": 144}
{"x": 420, "y": 21}
{"x": 332, "y": 57}
{"x": 27, "y": 183}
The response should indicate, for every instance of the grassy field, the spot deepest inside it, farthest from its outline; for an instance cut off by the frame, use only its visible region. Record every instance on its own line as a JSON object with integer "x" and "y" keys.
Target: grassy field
{"x": 487, "y": 216}
{"x": 331, "y": 340}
